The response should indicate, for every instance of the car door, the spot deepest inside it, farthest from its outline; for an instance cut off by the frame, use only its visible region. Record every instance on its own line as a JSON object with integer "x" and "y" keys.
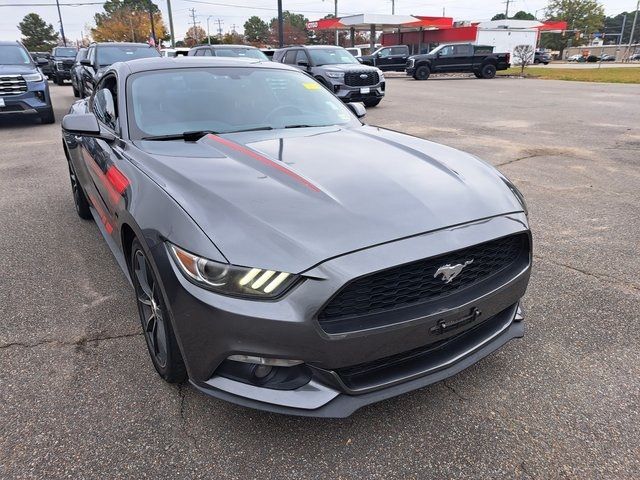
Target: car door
{"x": 398, "y": 58}
{"x": 100, "y": 156}
{"x": 445, "y": 59}
{"x": 383, "y": 59}
{"x": 462, "y": 58}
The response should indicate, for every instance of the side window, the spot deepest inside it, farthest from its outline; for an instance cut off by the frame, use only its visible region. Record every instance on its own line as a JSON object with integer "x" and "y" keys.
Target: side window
{"x": 198, "y": 53}
{"x": 447, "y": 51}
{"x": 301, "y": 56}
{"x": 290, "y": 57}
{"x": 398, "y": 51}
{"x": 104, "y": 102}
{"x": 92, "y": 55}
{"x": 206, "y": 52}
{"x": 462, "y": 50}
{"x": 385, "y": 52}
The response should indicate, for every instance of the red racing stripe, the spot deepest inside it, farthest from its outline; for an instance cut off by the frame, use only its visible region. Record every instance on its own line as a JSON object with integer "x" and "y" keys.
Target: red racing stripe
{"x": 264, "y": 160}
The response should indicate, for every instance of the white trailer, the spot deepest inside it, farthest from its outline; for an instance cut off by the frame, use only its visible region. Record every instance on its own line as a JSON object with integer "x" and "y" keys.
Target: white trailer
{"x": 505, "y": 40}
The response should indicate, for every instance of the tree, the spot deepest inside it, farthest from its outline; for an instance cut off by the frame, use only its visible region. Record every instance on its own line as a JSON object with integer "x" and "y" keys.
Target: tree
{"x": 256, "y": 30}
{"x": 521, "y": 15}
{"x": 586, "y": 16}
{"x": 37, "y": 35}
{"x": 128, "y": 21}
{"x": 295, "y": 29}
{"x": 232, "y": 38}
{"x": 194, "y": 36}
{"x": 523, "y": 55}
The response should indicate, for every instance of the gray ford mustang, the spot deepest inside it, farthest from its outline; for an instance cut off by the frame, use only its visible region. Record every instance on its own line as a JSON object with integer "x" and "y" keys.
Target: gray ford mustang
{"x": 285, "y": 256}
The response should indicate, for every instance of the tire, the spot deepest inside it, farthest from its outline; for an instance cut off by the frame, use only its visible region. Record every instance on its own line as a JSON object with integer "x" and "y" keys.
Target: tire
{"x": 59, "y": 80}
{"x": 422, "y": 72}
{"x": 546, "y": 63}
{"x": 154, "y": 317}
{"x": 488, "y": 71}
{"x": 48, "y": 117}
{"x": 536, "y": 62}
{"x": 477, "y": 74}
{"x": 371, "y": 102}
{"x": 79, "y": 198}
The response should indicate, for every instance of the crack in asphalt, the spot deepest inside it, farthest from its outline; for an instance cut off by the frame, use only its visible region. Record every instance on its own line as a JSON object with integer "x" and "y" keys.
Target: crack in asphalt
{"x": 182, "y": 391}
{"x": 508, "y": 162}
{"x": 76, "y": 343}
{"x": 457, "y": 394}
{"x": 524, "y": 469}
{"x": 597, "y": 276}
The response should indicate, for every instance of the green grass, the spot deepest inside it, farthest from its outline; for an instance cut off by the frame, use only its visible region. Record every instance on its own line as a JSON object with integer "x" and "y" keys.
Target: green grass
{"x": 604, "y": 75}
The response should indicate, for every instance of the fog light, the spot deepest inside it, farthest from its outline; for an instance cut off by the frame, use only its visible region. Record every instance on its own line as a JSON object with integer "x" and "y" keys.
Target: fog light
{"x": 273, "y": 362}
{"x": 262, "y": 371}
{"x": 40, "y": 95}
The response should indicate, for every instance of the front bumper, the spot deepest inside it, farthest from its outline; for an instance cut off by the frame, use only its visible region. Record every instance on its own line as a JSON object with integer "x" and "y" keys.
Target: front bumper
{"x": 359, "y": 94}
{"x": 62, "y": 73}
{"x": 210, "y": 328}
{"x": 34, "y": 101}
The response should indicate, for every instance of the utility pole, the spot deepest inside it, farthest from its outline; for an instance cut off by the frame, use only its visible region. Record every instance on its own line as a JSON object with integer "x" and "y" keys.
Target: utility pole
{"x": 193, "y": 20}
{"x": 64, "y": 39}
{"x": 624, "y": 24}
{"x": 336, "y": 16}
{"x": 208, "y": 34}
{"x": 633, "y": 29}
{"x": 280, "y": 25}
{"x": 393, "y": 7}
{"x": 506, "y": 12}
{"x": 219, "y": 27}
{"x": 173, "y": 38}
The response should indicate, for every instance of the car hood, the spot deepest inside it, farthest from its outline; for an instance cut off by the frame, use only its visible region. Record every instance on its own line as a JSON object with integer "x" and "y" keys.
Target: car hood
{"x": 349, "y": 67}
{"x": 17, "y": 69}
{"x": 289, "y": 200}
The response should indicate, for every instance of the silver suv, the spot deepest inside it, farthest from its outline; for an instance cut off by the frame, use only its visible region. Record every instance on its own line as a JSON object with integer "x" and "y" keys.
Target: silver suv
{"x": 338, "y": 70}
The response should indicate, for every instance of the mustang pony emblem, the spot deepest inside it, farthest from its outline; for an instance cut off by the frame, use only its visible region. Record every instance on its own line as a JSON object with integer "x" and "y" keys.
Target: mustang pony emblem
{"x": 449, "y": 272}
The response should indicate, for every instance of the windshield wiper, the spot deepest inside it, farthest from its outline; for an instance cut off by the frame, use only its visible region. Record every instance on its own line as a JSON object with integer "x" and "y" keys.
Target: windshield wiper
{"x": 193, "y": 136}
{"x": 304, "y": 126}
{"x": 254, "y": 129}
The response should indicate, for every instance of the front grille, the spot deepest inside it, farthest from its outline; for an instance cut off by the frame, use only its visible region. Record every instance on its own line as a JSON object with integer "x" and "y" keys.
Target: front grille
{"x": 12, "y": 85}
{"x": 361, "y": 79}
{"x": 414, "y": 283}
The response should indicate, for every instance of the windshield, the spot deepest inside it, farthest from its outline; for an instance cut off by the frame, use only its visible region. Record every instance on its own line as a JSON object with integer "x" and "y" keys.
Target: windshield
{"x": 14, "y": 55}
{"x": 226, "y": 100}
{"x": 65, "y": 52}
{"x": 82, "y": 54}
{"x": 330, "y": 56}
{"x": 240, "y": 52}
{"x": 109, "y": 55}
{"x": 437, "y": 49}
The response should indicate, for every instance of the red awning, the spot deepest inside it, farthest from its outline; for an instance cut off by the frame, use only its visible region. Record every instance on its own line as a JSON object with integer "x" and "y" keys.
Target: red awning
{"x": 557, "y": 25}
{"x": 429, "y": 22}
{"x": 325, "y": 24}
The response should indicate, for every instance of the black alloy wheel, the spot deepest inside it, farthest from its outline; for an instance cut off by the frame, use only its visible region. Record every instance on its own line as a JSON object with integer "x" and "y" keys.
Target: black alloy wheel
{"x": 422, "y": 73}
{"x": 488, "y": 71}
{"x": 154, "y": 317}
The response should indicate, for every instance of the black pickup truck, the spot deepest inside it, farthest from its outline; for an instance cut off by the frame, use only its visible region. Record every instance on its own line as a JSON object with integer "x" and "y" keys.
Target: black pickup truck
{"x": 388, "y": 58}
{"x": 461, "y": 57}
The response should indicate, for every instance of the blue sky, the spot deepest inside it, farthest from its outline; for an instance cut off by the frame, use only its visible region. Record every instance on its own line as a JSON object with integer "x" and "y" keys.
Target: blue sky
{"x": 80, "y": 18}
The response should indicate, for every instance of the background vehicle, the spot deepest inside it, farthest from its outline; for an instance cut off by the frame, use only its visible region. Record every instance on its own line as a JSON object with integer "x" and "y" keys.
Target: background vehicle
{"x": 337, "y": 70}
{"x": 268, "y": 52}
{"x": 76, "y": 71}
{"x": 174, "y": 52}
{"x": 388, "y": 58}
{"x": 102, "y": 55}
{"x": 23, "y": 87}
{"x": 635, "y": 56}
{"x": 242, "y": 51}
{"x": 608, "y": 58}
{"x": 355, "y": 51}
{"x": 574, "y": 58}
{"x": 348, "y": 260}
{"x": 61, "y": 61}
{"x": 462, "y": 57}
{"x": 42, "y": 60}
{"x": 541, "y": 57}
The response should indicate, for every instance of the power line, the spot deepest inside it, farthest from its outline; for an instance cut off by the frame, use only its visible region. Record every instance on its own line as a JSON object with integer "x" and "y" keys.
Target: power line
{"x": 75, "y": 4}
{"x": 250, "y": 7}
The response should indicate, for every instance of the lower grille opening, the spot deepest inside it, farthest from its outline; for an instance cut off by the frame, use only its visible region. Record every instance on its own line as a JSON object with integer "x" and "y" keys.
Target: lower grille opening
{"x": 422, "y": 360}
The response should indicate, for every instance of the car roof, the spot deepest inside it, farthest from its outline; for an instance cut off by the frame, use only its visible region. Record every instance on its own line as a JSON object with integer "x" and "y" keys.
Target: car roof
{"x": 167, "y": 63}
{"x": 121, "y": 44}
{"x": 225, "y": 45}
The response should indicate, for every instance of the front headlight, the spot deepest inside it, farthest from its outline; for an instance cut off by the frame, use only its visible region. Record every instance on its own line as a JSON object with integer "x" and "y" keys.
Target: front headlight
{"x": 32, "y": 77}
{"x": 335, "y": 74}
{"x": 232, "y": 280}
{"x": 380, "y": 74}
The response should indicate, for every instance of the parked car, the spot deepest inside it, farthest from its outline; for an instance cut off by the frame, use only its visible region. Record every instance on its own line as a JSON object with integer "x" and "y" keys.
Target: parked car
{"x": 23, "y": 87}
{"x": 42, "y": 60}
{"x": 634, "y": 57}
{"x": 174, "y": 52}
{"x": 337, "y": 70}
{"x": 76, "y": 70}
{"x": 104, "y": 54}
{"x": 355, "y": 51}
{"x": 242, "y": 51}
{"x": 61, "y": 61}
{"x": 592, "y": 58}
{"x": 608, "y": 58}
{"x": 574, "y": 58}
{"x": 461, "y": 57}
{"x": 388, "y": 58}
{"x": 283, "y": 255}
{"x": 268, "y": 52}
{"x": 541, "y": 57}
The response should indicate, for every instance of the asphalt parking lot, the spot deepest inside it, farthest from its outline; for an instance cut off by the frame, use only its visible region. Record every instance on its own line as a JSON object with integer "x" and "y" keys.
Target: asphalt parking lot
{"x": 79, "y": 397}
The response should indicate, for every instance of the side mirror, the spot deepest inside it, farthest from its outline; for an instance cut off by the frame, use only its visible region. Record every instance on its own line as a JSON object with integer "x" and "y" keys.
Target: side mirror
{"x": 85, "y": 125}
{"x": 359, "y": 59}
{"x": 304, "y": 64}
{"x": 42, "y": 62}
{"x": 357, "y": 109}
{"x": 86, "y": 62}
